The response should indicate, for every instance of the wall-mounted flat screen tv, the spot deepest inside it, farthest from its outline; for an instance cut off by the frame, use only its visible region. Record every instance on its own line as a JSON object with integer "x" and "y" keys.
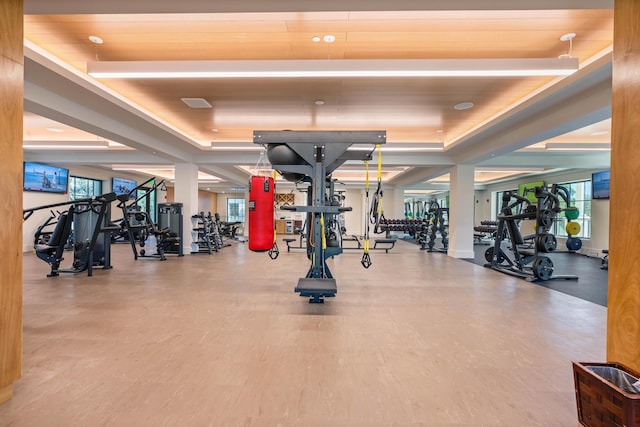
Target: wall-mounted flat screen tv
{"x": 45, "y": 178}
{"x": 123, "y": 185}
{"x": 600, "y": 185}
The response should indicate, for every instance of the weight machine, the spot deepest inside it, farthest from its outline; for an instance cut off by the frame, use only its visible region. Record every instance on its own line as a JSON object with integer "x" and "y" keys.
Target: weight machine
{"x": 311, "y": 157}
{"x": 527, "y": 264}
{"x": 139, "y": 228}
{"x": 88, "y": 219}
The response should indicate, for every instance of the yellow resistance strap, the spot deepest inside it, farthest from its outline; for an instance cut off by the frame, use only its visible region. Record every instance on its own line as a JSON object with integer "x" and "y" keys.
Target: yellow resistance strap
{"x": 366, "y": 258}
{"x": 274, "y": 251}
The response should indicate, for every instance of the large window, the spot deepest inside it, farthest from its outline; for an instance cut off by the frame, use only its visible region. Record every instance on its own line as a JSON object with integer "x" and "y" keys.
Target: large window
{"x": 83, "y": 188}
{"x": 235, "y": 210}
{"x": 580, "y": 197}
{"x": 499, "y": 194}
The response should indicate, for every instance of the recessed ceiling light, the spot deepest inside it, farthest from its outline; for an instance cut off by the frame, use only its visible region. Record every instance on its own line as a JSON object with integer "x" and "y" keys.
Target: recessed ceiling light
{"x": 463, "y": 106}
{"x": 315, "y": 39}
{"x": 196, "y": 102}
{"x": 319, "y": 102}
{"x": 439, "y": 131}
{"x": 96, "y": 39}
{"x": 214, "y": 130}
{"x": 329, "y": 38}
{"x": 57, "y": 130}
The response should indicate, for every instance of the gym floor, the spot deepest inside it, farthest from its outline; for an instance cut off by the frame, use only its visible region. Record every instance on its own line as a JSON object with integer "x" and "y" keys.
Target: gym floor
{"x": 419, "y": 339}
{"x": 592, "y": 280}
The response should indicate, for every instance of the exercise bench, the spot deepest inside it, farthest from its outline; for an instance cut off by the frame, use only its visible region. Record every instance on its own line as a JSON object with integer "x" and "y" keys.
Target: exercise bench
{"x": 391, "y": 242}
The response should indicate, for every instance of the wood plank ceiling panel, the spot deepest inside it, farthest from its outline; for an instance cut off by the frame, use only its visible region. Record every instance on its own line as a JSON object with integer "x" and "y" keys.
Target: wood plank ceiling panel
{"x": 410, "y": 109}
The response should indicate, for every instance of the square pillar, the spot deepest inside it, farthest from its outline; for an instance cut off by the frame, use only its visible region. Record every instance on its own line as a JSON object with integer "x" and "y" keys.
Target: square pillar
{"x": 461, "y": 206}
{"x": 186, "y": 192}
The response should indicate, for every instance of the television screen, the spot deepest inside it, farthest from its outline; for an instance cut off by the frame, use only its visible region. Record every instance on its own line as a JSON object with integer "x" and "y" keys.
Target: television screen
{"x": 122, "y": 185}
{"x": 45, "y": 178}
{"x": 600, "y": 185}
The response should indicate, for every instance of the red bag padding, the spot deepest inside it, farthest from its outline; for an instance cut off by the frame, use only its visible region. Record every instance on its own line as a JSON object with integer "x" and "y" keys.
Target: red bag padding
{"x": 261, "y": 216}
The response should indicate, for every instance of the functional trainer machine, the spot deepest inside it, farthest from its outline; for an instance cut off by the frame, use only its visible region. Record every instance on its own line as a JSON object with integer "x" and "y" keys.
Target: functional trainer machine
{"x": 141, "y": 230}
{"x": 311, "y": 157}
{"x": 82, "y": 223}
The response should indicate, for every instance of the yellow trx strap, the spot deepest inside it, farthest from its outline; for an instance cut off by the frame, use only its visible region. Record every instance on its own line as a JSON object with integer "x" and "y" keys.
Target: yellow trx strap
{"x": 274, "y": 251}
{"x": 379, "y": 162}
{"x": 366, "y": 258}
{"x": 380, "y": 211}
{"x": 324, "y": 238}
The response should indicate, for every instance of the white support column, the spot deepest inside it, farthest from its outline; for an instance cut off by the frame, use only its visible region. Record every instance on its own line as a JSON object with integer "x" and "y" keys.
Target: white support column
{"x": 186, "y": 192}
{"x": 461, "y": 200}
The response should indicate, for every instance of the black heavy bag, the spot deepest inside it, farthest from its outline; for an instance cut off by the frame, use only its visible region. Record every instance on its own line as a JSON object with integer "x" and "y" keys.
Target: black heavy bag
{"x": 261, "y": 217}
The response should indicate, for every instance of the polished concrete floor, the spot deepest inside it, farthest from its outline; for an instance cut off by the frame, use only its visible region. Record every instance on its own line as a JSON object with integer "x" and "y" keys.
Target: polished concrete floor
{"x": 419, "y": 339}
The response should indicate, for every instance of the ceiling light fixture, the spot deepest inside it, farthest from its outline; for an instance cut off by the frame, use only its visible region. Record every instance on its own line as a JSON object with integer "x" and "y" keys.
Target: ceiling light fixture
{"x": 400, "y": 147}
{"x": 319, "y": 102}
{"x": 235, "y": 147}
{"x": 333, "y": 68}
{"x": 96, "y": 40}
{"x": 463, "y": 106}
{"x": 568, "y": 146}
{"x": 56, "y": 130}
{"x": 65, "y": 145}
{"x": 197, "y": 102}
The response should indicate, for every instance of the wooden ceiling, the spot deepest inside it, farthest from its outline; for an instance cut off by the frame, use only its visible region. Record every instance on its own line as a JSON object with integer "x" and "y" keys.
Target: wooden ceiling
{"x": 410, "y": 109}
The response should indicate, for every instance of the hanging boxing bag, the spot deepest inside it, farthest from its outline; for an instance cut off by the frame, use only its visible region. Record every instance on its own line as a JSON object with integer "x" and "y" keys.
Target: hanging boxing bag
{"x": 261, "y": 218}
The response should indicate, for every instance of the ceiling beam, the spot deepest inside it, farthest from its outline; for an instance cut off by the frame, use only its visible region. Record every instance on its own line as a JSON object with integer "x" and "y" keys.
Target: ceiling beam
{"x": 564, "y": 160}
{"x": 61, "y": 94}
{"x": 417, "y": 176}
{"x": 93, "y": 157}
{"x": 575, "y": 102}
{"x": 234, "y": 176}
{"x": 233, "y": 6}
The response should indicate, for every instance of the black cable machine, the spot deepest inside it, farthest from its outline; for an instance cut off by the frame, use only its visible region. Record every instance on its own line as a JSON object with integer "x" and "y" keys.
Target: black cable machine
{"x": 88, "y": 219}
{"x": 170, "y": 217}
{"x": 527, "y": 264}
{"x": 311, "y": 157}
{"x": 139, "y": 227}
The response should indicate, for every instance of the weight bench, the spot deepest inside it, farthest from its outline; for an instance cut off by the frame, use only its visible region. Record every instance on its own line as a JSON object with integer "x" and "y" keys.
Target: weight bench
{"x": 351, "y": 238}
{"x": 391, "y": 242}
{"x": 288, "y": 242}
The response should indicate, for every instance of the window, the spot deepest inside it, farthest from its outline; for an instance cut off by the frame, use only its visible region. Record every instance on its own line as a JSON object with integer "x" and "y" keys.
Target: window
{"x": 83, "y": 188}
{"x": 580, "y": 197}
{"x": 235, "y": 210}
{"x": 499, "y": 195}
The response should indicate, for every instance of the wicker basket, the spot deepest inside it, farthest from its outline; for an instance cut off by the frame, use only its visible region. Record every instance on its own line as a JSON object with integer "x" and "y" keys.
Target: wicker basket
{"x": 600, "y": 402}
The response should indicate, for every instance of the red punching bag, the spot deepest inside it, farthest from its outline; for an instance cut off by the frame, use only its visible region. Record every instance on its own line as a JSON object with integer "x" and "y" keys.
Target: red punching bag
{"x": 261, "y": 217}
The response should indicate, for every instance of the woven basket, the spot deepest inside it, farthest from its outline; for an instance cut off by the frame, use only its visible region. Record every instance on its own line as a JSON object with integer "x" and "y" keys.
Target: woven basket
{"x": 600, "y": 402}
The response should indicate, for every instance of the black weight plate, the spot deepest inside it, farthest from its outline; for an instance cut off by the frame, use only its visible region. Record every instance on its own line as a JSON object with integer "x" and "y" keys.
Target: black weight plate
{"x": 542, "y": 268}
